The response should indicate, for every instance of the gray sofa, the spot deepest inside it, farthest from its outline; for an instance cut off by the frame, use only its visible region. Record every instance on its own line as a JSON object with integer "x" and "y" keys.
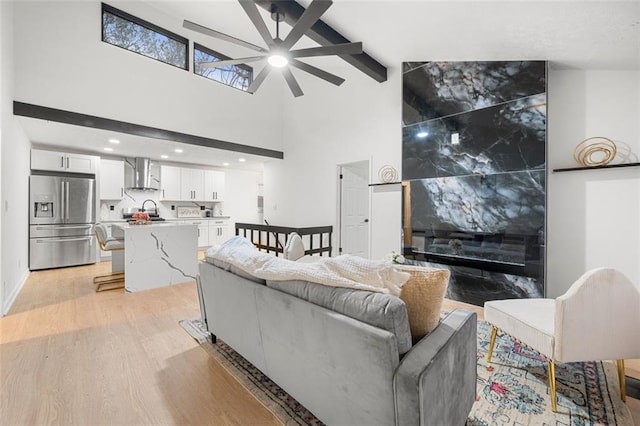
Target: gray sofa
{"x": 345, "y": 370}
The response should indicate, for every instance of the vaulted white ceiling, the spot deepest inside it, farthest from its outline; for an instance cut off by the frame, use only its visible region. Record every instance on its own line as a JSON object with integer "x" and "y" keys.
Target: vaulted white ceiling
{"x": 577, "y": 34}
{"x": 590, "y": 35}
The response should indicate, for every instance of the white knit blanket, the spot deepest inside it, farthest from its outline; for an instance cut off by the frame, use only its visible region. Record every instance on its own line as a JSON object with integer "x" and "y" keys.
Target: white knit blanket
{"x": 342, "y": 271}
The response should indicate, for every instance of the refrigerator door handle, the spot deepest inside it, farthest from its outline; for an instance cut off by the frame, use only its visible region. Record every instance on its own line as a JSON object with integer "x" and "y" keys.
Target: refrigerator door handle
{"x": 62, "y": 198}
{"x": 61, "y": 240}
{"x": 44, "y": 228}
{"x": 66, "y": 202}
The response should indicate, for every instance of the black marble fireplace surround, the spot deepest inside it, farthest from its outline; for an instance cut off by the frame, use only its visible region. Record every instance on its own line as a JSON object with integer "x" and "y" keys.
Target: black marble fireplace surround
{"x": 473, "y": 151}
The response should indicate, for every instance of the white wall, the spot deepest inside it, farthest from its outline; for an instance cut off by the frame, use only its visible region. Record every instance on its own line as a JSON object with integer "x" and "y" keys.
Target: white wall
{"x": 64, "y": 64}
{"x": 14, "y": 156}
{"x": 593, "y": 215}
{"x": 359, "y": 120}
{"x": 241, "y": 196}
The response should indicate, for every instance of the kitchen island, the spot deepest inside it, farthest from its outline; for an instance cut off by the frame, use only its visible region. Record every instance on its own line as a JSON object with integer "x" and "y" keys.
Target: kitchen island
{"x": 158, "y": 254}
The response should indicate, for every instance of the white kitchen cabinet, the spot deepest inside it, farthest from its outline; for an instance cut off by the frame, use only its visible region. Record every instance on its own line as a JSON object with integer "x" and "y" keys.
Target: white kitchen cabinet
{"x": 191, "y": 184}
{"x": 214, "y": 182}
{"x": 203, "y": 231}
{"x": 170, "y": 177}
{"x": 219, "y": 231}
{"x": 111, "y": 179}
{"x": 63, "y": 161}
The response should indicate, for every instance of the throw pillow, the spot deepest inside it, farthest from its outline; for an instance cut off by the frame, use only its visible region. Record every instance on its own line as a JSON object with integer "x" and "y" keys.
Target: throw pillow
{"x": 423, "y": 294}
{"x": 294, "y": 249}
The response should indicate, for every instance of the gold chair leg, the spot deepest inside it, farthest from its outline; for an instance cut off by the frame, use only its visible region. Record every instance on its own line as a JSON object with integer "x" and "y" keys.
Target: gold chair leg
{"x": 621, "y": 377}
{"x": 492, "y": 342}
{"x": 552, "y": 385}
{"x": 109, "y": 281}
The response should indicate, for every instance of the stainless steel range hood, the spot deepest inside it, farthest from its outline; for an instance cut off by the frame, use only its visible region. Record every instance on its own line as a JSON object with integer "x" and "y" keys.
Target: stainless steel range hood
{"x": 142, "y": 177}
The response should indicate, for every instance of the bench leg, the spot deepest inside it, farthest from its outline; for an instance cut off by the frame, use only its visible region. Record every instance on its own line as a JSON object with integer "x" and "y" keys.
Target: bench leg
{"x": 621, "y": 378}
{"x": 492, "y": 342}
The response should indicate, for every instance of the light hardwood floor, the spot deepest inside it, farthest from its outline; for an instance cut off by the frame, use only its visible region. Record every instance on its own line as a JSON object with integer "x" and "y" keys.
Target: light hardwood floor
{"x": 69, "y": 355}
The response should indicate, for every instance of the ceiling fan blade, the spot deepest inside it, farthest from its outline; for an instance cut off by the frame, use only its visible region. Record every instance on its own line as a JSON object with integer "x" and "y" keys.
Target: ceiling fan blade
{"x": 226, "y": 62}
{"x": 251, "y": 10}
{"x": 221, "y": 36}
{"x": 259, "y": 79}
{"x": 291, "y": 82}
{"x": 327, "y": 76}
{"x": 336, "y": 49}
{"x": 306, "y": 21}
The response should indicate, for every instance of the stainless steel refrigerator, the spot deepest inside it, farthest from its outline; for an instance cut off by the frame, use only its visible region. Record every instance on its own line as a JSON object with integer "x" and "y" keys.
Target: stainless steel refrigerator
{"x": 62, "y": 215}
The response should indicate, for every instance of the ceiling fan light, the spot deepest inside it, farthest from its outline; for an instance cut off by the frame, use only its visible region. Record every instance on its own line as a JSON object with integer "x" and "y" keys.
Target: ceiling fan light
{"x": 277, "y": 61}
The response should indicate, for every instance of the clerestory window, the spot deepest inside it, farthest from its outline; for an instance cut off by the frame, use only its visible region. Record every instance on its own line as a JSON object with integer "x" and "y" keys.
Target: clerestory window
{"x": 136, "y": 35}
{"x": 238, "y": 76}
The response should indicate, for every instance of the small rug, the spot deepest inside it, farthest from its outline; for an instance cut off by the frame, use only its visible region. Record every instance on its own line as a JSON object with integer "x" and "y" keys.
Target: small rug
{"x": 512, "y": 390}
{"x": 284, "y": 407}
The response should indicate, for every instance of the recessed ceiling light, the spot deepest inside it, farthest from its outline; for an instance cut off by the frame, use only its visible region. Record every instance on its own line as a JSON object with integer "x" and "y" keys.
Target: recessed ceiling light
{"x": 225, "y": 164}
{"x": 164, "y": 156}
{"x": 242, "y": 160}
{"x": 178, "y": 150}
{"x": 108, "y": 149}
{"x": 115, "y": 141}
{"x": 422, "y": 134}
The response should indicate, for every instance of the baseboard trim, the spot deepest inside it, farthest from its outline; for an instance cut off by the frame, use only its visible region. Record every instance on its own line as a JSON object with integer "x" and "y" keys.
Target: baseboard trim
{"x": 14, "y": 294}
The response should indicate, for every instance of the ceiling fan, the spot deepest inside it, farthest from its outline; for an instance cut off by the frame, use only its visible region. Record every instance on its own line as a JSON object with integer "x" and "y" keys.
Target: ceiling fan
{"x": 278, "y": 52}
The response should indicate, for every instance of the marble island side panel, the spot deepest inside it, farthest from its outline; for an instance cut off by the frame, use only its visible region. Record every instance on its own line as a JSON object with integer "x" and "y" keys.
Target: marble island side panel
{"x": 159, "y": 254}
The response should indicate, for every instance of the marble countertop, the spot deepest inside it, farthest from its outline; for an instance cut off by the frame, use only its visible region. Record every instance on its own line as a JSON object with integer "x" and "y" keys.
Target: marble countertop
{"x": 196, "y": 218}
{"x": 170, "y": 219}
{"x": 125, "y": 225}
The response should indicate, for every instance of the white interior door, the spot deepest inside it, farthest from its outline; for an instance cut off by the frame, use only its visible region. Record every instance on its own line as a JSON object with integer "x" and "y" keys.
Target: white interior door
{"x": 354, "y": 209}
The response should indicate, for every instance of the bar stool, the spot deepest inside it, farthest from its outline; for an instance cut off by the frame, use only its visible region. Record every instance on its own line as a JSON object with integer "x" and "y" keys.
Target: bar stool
{"x": 116, "y": 278}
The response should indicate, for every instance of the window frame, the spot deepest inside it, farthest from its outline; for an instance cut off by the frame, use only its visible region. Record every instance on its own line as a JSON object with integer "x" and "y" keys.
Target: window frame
{"x": 145, "y": 24}
{"x": 209, "y": 51}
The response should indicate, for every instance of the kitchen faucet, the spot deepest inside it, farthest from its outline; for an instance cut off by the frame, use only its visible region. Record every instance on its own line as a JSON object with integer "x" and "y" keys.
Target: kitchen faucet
{"x": 154, "y": 204}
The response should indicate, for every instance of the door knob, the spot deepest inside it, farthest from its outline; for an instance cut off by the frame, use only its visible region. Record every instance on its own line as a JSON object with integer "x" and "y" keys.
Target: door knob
{"x": 366, "y": 221}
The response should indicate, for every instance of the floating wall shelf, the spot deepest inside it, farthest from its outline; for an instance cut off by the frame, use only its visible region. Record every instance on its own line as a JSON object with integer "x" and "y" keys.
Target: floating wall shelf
{"x": 612, "y": 166}
{"x": 385, "y": 183}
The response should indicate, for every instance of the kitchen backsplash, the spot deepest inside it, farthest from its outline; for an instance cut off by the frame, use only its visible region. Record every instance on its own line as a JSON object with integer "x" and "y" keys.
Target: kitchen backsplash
{"x": 133, "y": 198}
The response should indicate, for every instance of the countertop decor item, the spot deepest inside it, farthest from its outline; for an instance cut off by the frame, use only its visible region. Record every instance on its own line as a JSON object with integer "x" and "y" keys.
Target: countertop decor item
{"x": 140, "y": 218}
{"x": 595, "y": 151}
{"x": 387, "y": 174}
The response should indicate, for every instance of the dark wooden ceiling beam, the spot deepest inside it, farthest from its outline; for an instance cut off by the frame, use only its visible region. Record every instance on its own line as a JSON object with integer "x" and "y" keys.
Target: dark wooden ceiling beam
{"x": 324, "y": 35}
{"x": 77, "y": 119}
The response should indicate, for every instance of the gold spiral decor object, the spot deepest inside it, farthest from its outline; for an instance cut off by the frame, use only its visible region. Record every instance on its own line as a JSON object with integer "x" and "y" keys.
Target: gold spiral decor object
{"x": 604, "y": 150}
{"x": 387, "y": 174}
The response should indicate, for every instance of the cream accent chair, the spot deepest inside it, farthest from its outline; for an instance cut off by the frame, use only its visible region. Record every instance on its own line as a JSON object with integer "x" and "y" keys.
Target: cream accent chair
{"x": 598, "y": 318}
{"x": 116, "y": 278}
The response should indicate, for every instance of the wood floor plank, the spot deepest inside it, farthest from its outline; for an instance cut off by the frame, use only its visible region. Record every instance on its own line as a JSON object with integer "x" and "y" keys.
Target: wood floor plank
{"x": 69, "y": 355}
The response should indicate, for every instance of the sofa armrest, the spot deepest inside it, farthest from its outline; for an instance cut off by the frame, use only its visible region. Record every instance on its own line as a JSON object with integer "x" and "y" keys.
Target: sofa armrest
{"x": 435, "y": 382}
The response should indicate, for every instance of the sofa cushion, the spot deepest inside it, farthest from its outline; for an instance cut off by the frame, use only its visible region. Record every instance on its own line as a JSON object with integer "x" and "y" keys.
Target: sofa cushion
{"x": 377, "y": 309}
{"x": 294, "y": 249}
{"x": 423, "y": 294}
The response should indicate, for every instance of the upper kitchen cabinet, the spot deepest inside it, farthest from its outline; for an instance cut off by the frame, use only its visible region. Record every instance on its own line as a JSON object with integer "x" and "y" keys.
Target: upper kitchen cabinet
{"x": 111, "y": 179}
{"x": 187, "y": 184}
{"x": 63, "y": 162}
{"x": 192, "y": 184}
{"x": 170, "y": 183}
{"x": 213, "y": 185}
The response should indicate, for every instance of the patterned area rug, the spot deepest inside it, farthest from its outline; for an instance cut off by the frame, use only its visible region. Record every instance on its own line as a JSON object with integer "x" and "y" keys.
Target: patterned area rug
{"x": 512, "y": 390}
